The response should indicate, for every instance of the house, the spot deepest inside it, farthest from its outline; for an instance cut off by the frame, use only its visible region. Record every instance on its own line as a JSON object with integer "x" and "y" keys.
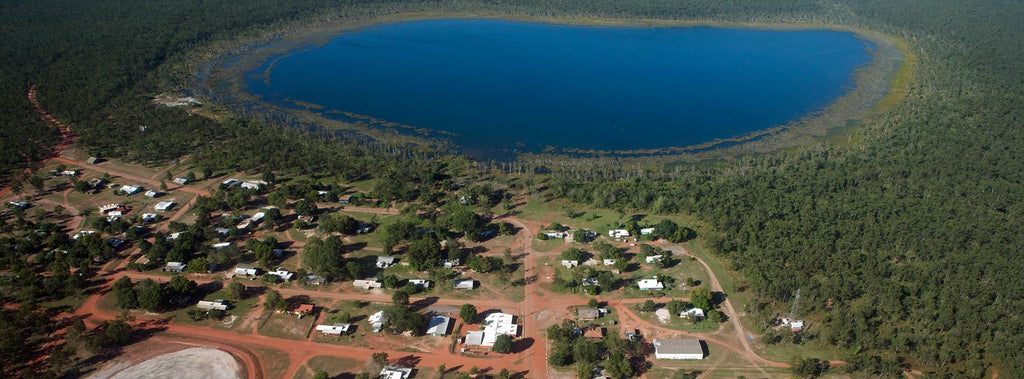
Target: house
{"x": 254, "y": 185}
{"x": 335, "y": 329}
{"x": 174, "y": 267}
{"x": 496, "y": 324}
{"x": 377, "y": 321}
{"x": 82, "y": 233}
{"x": 231, "y": 182}
{"x": 107, "y": 208}
{"x": 220, "y": 245}
{"x": 632, "y": 334}
{"x": 130, "y": 190}
{"x": 618, "y": 233}
{"x": 650, "y": 284}
{"x": 646, "y": 231}
{"x": 19, "y": 204}
{"x": 464, "y": 284}
{"x": 150, "y": 217}
{"x": 180, "y": 181}
{"x": 316, "y": 280}
{"x": 588, "y": 282}
{"x": 345, "y": 199}
{"x": 594, "y": 333}
{"x": 570, "y": 264}
{"x": 385, "y": 262}
{"x": 257, "y": 217}
{"x": 116, "y": 242}
{"x": 794, "y": 325}
{"x": 174, "y": 236}
{"x": 94, "y": 160}
{"x": 97, "y": 183}
{"x": 475, "y": 338}
{"x": 653, "y": 258}
{"x": 609, "y": 262}
{"x": 164, "y": 206}
{"x": 693, "y": 313}
{"x": 301, "y": 309}
{"x": 555, "y": 234}
{"x": 395, "y": 372}
{"x": 438, "y": 326}
{"x": 151, "y": 194}
{"x": 367, "y": 284}
{"x": 223, "y": 232}
{"x": 681, "y": 348}
{"x": 451, "y": 263}
{"x": 420, "y": 283}
{"x": 66, "y": 173}
{"x": 246, "y": 270}
{"x": 588, "y": 313}
{"x": 283, "y": 274}
{"x": 218, "y": 304}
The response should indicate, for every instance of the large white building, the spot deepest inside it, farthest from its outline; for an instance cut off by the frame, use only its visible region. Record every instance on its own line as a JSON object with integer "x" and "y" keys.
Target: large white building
{"x": 681, "y": 348}
{"x": 494, "y": 325}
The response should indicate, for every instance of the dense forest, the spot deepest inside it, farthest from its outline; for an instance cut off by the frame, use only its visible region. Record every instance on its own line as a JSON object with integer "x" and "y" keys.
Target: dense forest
{"x": 904, "y": 242}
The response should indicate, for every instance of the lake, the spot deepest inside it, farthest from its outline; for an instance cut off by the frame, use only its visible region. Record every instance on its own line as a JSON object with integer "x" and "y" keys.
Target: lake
{"x": 499, "y": 86}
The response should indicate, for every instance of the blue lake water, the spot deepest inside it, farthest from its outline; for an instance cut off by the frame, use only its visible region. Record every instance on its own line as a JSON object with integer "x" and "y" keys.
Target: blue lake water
{"x": 500, "y": 85}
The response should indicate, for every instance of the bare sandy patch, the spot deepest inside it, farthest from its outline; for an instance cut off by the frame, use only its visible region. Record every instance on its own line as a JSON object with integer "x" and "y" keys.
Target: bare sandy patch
{"x": 194, "y": 363}
{"x": 663, "y": 315}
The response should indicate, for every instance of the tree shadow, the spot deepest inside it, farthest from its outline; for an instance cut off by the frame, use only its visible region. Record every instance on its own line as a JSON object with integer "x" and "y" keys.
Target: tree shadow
{"x": 408, "y": 361}
{"x": 423, "y": 303}
{"x": 520, "y": 345}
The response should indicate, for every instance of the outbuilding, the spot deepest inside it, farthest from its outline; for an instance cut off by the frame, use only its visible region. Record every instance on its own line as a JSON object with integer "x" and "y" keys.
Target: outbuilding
{"x": 678, "y": 348}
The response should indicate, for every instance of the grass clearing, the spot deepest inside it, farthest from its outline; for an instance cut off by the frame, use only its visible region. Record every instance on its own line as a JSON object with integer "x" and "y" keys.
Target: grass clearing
{"x": 283, "y": 325}
{"x": 334, "y": 366}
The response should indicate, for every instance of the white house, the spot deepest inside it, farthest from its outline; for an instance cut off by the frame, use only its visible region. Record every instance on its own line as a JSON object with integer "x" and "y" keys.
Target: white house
{"x": 420, "y": 283}
{"x": 164, "y": 206}
{"x": 570, "y": 264}
{"x": 174, "y": 236}
{"x": 693, "y": 313}
{"x": 231, "y": 182}
{"x": 336, "y": 329}
{"x": 618, "y": 233}
{"x": 438, "y": 326}
{"x": 377, "y": 321}
{"x": 220, "y": 245}
{"x": 251, "y": 185}
{"x": 218, "y": 304}
{"x": 451, "y": 263}
{"x": 609, "y": 262}
{"x": 555, "y": 234}
{"x": 104, "y": 209}
{"x": 130, "y": 190}
{"x": 496, "y": 324}
{"x": 149, "y": 217}
{"x": 283, "y": 274}
{"x": 682, "y": 348}
{"x": 175, "y": 267}
{"x": 653, "y": 259}
{"x": 367, "y": 284}
{"x": 385, "y": 261}
{"x": 650, "y": 284}
{"x": 794, "y": 325}
{"x": 589, "y": 282}
{"x": 151, "y": 194}
{"x": 464, "y": 284}
{"x": 180, "y": 181}
{"x": 246, "y": 270}
{"x": 647, "y": 231}
{"x": 395, "y": 372}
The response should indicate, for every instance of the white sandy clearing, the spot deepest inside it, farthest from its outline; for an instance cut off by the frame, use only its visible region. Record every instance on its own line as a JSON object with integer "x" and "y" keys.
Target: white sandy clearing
{"x": 663, "y": 315}
{"x": 194, "y": 363}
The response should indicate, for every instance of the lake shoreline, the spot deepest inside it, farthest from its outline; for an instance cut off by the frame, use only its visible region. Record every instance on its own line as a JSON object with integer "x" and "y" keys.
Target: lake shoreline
{"x": 840, "y": 117}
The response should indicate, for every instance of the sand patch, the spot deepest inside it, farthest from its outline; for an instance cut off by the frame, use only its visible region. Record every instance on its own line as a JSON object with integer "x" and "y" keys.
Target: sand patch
{"x": 194, "y": 363}
{"x": 663, "y": 315}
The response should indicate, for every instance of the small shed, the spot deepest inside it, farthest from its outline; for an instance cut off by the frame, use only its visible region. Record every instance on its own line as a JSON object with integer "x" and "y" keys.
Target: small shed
{"x": 464, "y": 284}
